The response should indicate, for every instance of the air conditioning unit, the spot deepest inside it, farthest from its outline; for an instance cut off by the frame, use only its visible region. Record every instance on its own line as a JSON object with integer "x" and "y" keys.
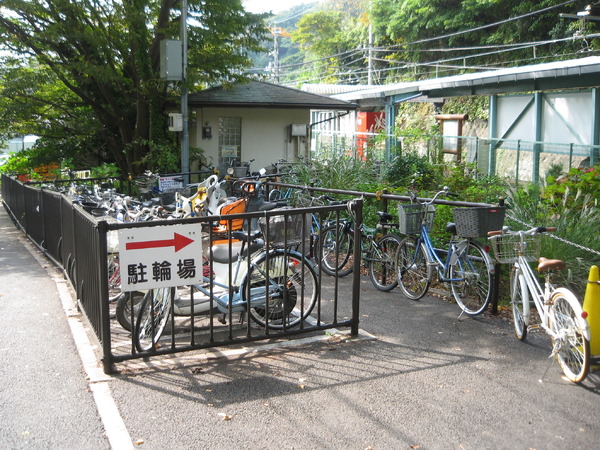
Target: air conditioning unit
{"x": 299, "y": 129}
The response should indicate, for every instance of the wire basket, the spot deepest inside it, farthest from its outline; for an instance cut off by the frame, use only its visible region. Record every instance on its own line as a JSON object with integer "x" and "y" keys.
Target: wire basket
{"x": 508, "y": 247}
{"x": 477, "y": 221}
{"x": 285, "y": 229}
{"x": 410, "y": 217}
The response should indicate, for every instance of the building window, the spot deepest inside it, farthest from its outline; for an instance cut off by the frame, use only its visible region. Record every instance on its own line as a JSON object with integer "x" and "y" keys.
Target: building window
{"x": 230, "y": 140}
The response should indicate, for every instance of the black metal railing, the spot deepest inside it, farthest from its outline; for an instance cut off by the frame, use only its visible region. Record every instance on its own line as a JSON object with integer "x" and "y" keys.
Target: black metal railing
{"x": 77, "y": 242}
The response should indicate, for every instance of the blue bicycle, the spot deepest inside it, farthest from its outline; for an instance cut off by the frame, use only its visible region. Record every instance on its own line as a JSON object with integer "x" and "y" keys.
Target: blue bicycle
{"x": 467, "y": 266}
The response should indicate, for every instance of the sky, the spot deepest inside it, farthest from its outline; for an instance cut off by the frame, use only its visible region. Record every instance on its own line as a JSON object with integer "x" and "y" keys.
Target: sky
{"x": 276, "y": 6}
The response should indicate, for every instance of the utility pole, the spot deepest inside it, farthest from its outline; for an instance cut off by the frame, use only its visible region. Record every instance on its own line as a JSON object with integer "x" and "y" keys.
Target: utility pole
{"x": 370, "y": 62}
{"x": 276, "y": 32}
{"x": 185, "y": 134}
{"x": 276, "y": 57}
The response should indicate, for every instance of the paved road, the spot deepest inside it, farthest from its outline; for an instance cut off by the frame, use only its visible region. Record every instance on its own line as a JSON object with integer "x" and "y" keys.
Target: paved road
{"x": 45, "y": 400}
{"x": 426, "y": 380}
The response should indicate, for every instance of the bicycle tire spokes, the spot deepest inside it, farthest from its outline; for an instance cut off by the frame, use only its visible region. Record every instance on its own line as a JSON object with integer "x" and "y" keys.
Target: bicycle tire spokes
{"x": 414, "y": 272}
{"x": 569, "y": 345}
{"x": 471, "y": 280}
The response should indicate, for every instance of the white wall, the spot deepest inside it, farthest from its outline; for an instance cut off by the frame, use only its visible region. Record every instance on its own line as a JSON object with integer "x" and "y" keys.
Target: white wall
{"x": 566, "y": 117}
{"x": 263, "y": 133}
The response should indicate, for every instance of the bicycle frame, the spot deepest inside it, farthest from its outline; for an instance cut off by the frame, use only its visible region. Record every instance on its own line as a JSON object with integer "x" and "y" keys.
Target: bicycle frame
{"x": 229, "y": 293}
{"x": 534, "y": 289}
{"x": 541, "y": 296}
{"x": 442, "y": 267}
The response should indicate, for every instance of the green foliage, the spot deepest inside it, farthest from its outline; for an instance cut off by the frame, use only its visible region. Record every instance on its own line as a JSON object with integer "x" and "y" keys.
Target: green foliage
{"x": 410, "y": 169}
{"x": 576, "y": 183}
{"x": 464, "y": 179}
{"x": 477, "y": 107}
{"x": 413, "y": 26}
{"x": 571, "y": 205}
{"x": 162, "y": 158}
{"x": 105, "y": 171}
{"x": 586, "y": 213}
{"x": 415, "y": 120}
{"x": 94, "y": 76}
{"x": 16, "y": 164}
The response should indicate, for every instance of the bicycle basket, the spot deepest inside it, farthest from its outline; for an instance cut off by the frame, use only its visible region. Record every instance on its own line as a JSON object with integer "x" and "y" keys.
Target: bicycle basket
{"x": 477, "y": 221}
{"x": 411, "y": 216}
{"x": 506, "y": 247}
{"x": 285, "y": 229}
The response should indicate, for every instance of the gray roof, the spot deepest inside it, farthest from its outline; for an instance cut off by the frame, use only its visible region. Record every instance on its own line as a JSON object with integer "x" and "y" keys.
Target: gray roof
{"x": 582, "y": 72}
{"x": 259, "y": 94}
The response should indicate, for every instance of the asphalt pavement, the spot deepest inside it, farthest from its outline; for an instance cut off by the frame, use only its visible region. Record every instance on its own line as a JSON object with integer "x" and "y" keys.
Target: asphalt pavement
{"x": 418, "y": 377}
{"x": 45, "y": 399}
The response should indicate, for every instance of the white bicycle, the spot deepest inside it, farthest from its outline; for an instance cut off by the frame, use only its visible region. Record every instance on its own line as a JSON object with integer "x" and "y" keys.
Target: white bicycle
{"x": 560, "y": 313}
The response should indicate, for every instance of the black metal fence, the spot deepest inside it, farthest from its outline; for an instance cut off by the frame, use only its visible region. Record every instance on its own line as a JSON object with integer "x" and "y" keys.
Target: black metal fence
{"x": 78, "y": 242}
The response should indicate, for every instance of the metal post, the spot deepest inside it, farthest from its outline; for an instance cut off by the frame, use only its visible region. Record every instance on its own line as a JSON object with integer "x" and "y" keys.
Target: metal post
{"x": 518, "y": 159}
{"x": 358, "y": 219}
{"x": 107, "y": 356}
{"x": 185, "y": 134}
{"x": 595, "y": 127}
{"x": 570, "y": 155}
{"x": 537, "y": 146}
{"x": 492, "y": 134}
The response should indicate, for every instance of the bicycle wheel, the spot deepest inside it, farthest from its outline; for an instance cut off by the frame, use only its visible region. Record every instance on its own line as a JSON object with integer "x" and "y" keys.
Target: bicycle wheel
{"x": 335, "y": 246}
{"x": 382, "y": 263}
{"x": 152, "y": 318}
{"x": 275, "y": 195}
{"x": 123, "y": 309}
{"x": 471, "y": 281}
{"x": 414, "y": 274}
{"x": 519, "y": 300}
{"x": 114, "y": 277}
{"x": 283, "y": 289}
{"x": 569, "y": 345}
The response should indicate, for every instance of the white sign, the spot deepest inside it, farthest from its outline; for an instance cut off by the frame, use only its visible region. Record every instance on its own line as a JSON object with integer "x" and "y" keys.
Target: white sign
{"x": 162, "y": 256}
{"x": 169, "y": 183}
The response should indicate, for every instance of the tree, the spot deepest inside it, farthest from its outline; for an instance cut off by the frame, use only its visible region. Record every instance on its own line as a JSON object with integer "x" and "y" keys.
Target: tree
{"x": 101, "y": 60}
{"x": 327, "y": 45}
{"x": 411, "y": 30}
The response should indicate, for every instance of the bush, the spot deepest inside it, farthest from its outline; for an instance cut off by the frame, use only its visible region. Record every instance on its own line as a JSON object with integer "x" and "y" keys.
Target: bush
{"x": 574, "y": 212}
{"x": 582, "y": 181}
{"x": 411, "y": 169}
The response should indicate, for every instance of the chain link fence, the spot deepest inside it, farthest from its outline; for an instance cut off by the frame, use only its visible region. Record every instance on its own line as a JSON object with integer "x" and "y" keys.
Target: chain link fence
{"x": 518, "y": 161}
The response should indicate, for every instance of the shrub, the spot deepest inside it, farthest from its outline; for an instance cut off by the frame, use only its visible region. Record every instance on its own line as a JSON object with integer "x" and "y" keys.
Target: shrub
{"x": 575, "y": 215}
{"x": 411, "y": 169}
{"x": 583, "y": 181}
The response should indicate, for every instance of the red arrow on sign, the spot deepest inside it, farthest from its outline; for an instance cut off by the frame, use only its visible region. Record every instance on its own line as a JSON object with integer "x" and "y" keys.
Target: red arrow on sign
{"x": 178, "y": 242}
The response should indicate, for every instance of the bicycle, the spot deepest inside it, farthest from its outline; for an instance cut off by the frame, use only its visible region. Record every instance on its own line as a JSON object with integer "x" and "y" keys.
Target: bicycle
{"x": 560, "y": 313}
{"x": 277, "y": 287}
{"x": 378, "y": 250}
{"x": 467, "y": 267}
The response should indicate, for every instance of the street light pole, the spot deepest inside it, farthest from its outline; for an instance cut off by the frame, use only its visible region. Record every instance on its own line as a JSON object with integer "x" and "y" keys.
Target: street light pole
{"x": 185, "y": 134}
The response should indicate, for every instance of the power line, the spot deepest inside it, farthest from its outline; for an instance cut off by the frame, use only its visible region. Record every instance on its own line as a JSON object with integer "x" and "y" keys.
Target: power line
{"x": 483, "y": 27}
{"x": 516, "y": 46}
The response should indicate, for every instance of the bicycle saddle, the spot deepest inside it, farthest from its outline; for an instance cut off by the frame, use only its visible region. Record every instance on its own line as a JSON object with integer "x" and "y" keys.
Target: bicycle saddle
{"x": 546, "y": 265}
{"x": 220, "y": 249}
{"x": 384, "y": 215}
{"x": 451, "y": 228}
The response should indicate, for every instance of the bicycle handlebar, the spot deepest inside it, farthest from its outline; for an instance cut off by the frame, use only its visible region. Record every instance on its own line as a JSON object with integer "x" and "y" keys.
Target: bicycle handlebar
{"x": 534, "y": 230}
{"x": 444, "y": 191}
